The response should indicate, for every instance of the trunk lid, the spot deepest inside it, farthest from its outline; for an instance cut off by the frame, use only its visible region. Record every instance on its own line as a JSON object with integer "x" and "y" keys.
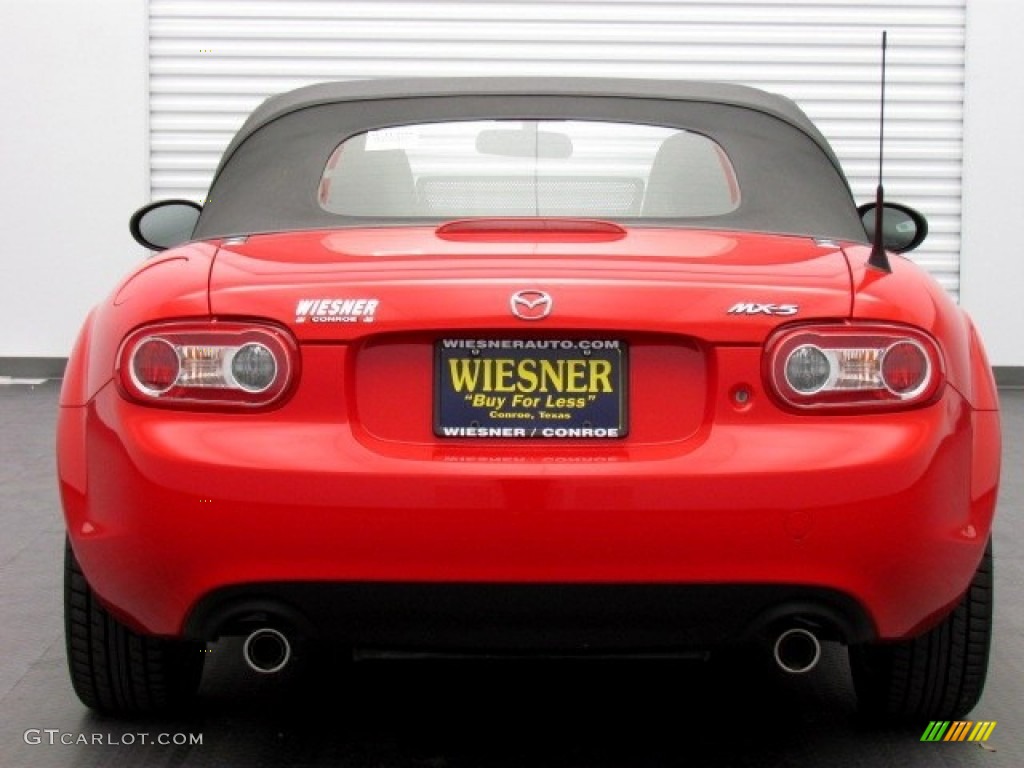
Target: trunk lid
{"x": 623, "y": 334}
{"x": 341, "y": 285}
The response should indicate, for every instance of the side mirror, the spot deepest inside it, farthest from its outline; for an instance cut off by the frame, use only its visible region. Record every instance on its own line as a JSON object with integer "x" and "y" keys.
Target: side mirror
{"x": 903, "y": 228}
{"x": 164, "y": 224}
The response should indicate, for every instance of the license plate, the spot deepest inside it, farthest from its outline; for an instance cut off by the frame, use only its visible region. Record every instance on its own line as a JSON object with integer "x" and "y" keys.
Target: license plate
{"x": 530, "y": 388}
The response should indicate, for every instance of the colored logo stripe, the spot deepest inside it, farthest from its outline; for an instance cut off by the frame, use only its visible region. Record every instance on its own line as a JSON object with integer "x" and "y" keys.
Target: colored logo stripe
{"x": 982, "y": 731}
{"x": 959, "y": 730}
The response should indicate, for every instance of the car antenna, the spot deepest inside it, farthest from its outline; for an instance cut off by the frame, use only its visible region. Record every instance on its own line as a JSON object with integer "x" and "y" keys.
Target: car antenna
{"x": 879, "y": 259}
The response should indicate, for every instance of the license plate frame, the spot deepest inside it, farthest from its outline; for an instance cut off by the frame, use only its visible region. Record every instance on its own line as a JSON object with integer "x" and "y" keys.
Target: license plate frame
{"x": 545, "y": 389}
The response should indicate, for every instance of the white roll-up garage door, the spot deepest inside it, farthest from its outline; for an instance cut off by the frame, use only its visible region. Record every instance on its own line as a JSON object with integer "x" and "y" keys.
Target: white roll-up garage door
{"x": 212, "y": 61}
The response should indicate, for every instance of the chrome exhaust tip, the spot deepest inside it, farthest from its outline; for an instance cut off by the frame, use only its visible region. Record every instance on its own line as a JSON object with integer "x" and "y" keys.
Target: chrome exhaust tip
{"x": 797, "y": 651}
{"x": 267, "y": 651}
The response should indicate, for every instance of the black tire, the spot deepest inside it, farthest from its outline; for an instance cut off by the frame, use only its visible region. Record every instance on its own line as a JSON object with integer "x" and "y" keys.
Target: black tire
{"x": 936, "y": 676}
{"x": 115, "y": 670}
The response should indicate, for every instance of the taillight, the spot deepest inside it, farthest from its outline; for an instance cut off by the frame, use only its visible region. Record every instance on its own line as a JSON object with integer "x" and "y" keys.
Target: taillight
{"x": 853, "y": 366}
{"x": 221, "y": 364}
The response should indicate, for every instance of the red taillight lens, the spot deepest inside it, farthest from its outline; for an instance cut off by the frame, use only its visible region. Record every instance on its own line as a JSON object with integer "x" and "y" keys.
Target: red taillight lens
{"x": 155, "y": 366}
{"x": 228, "y": 364}
{"x": 853, "y": 366}
{"x": 905, "y": 368}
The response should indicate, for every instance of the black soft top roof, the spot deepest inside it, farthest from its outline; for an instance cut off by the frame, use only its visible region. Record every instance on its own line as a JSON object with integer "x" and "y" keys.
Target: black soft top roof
{"x": 267, "y": 180}
{"x": 677, "y": 90}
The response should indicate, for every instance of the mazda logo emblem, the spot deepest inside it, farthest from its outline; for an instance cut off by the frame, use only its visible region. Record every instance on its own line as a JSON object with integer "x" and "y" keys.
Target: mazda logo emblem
{"x": 530, "y": 305}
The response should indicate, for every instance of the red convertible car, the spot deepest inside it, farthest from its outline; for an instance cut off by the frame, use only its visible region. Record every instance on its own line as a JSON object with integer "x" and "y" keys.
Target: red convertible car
{"x": 529, "y": 365}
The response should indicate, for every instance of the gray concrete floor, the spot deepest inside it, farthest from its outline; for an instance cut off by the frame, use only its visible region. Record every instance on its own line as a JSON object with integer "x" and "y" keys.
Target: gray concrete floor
{"x": 446, "y": 714}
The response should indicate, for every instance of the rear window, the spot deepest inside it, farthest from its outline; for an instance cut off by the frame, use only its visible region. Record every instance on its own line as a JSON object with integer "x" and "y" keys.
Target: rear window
{"x": 529, "y": 168}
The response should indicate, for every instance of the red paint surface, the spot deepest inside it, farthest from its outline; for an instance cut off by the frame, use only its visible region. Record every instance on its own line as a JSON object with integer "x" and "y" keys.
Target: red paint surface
{"x": 344, "y": 480}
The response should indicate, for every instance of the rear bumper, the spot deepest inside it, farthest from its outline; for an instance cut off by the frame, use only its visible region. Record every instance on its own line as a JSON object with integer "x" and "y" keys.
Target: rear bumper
{"x": 170, "y": 514}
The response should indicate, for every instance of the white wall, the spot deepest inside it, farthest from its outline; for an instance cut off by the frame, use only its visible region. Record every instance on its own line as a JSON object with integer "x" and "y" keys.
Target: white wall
{"x": 73, "y": 162}
{"x": 992, "y": 260}
{"x": 73, "y": 154}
